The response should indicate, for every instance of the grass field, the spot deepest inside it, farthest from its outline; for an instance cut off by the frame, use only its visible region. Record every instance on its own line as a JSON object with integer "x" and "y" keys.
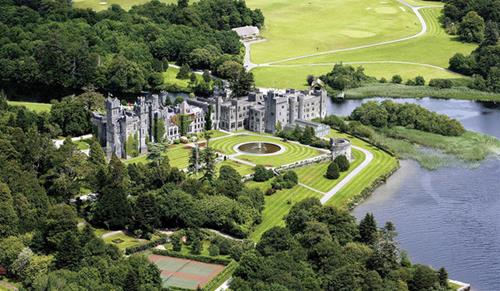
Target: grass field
{"x": 37, "y": 107}
{"x": 300, "y": 27}
{"x": 415, "y": 55}
{"x": 314, "y": 175}
{"x": 99, "y": 5}
{"x": 381, "y": 164}
{"x": 184, "y": 273}
{"x": 178, "y": 156}
{"x": 293, "y": 152}
{"x": 278, "y": 205}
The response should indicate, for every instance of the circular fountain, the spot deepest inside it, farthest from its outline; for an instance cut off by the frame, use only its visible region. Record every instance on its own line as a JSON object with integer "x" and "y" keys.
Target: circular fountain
{"x": 259, "y": 148}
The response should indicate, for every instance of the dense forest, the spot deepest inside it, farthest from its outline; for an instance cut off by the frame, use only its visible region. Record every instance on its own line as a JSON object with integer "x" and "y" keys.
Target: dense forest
{"x": 53, "y": 47}
{"x": 476, "y": 21}
{"x": 322, "y": 248}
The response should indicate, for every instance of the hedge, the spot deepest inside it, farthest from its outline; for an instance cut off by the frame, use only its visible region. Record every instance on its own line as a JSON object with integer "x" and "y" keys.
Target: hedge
{"x": 199, "y": 258}
{"x": 149, "y": 245}
{"x": 221, "y": 277}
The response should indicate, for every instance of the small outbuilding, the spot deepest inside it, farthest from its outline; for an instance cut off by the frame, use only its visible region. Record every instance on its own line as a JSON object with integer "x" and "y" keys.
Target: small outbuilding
{"x": 247, "y": 32}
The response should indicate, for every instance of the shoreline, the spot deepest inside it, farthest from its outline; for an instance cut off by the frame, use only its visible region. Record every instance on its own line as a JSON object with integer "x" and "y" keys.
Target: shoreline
{"x": 390, "y": 90}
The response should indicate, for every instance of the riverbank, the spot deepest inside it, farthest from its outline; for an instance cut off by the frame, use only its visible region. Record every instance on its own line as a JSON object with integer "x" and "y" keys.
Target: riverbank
{"x": 404, "y": 91}
{"x": 433, "y": 151}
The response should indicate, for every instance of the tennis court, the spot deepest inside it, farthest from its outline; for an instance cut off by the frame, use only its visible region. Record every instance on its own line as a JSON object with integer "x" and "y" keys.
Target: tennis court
{"x": 184, "y": 273}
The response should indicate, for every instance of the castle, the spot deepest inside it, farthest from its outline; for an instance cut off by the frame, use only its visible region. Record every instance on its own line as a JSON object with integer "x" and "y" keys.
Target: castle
{"x": 258, "y": 112}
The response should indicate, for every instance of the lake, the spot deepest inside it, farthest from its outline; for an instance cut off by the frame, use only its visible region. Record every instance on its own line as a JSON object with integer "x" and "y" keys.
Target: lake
{"x": 451, "y": 216}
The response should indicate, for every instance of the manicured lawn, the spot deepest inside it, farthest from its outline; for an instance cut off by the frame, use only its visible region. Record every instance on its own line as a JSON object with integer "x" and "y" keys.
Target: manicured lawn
{"x": 178, "y": 156}
{"x": 82, "y": 144}
{"x": 381, "y": 164}
{"x": 240, "y": 168}
{"x": 278, "y": 205}
{"x": 126, "y": 241}
{"x": 37, "y": 107}
{"x": 99, "y": 5}
{"x": 314, "y": 175}
{"x": 169, "y": 77}
{"x": 293, "y": 152}
{"x": 300, "y": 27}
{"x": 434, "y": 48}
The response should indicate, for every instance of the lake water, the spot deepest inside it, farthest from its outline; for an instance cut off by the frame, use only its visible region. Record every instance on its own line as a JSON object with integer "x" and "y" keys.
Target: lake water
{"x": 451, "y": 216}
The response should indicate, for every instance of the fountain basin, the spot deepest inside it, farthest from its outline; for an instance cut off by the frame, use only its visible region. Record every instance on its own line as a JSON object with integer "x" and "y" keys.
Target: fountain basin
{"x": 260, "y": 148}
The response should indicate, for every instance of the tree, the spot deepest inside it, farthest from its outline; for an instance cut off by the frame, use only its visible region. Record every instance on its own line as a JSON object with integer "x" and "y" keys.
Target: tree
{"x": 307, "y": 136}
{"x": 91, "y": 100}
{"x": 443, "y": 277}
{"x": 156, "y": 153}
{"x": 159, "y": 130}
{"x": 491, "y": 34}
{"x": 396, "y": 79}
{"x": 213, "y": 250}
{"x": 208, "y": 118}
{"x": 206, "y": 76}
{"x": 182, "y": 3}
{"x": 69, "y": 252}
{"x": 194, "y": 159}
{"x": 368, "y": 229}
{"x": 310, "y": 79}
{"x": 471, "y": 29}
{"x": 184, "y": 72}
{"x": 208, "y": 168}
{"x": 132, "y": 145}
{"x": 112, "y": 208}
{"x": 196, "y": 246}
{"x": 262, "y": 174}
{"x": 419, "y": 81}
{"x": 242, "y": 84}
{"x": 342, "y": 162}
{"x": 461, "y": 64}
{"x": 146, "y": 213}
{"x": 333, "y": 171}
{"x": 424, "y": 278}
{"x": 124, "y": 75}
{"x": 8, "y": 216}
{"x": 275, "y": 240}
{"x": 176, "y": 243}
{"x": 229, "y": 182}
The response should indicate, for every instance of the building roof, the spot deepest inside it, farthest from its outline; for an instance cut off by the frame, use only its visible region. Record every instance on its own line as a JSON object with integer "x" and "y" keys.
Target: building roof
{"x": 246, "y": 31}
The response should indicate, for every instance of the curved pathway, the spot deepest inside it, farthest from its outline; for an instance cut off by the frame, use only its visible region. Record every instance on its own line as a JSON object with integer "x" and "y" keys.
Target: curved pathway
{"x": 350, "y": 176}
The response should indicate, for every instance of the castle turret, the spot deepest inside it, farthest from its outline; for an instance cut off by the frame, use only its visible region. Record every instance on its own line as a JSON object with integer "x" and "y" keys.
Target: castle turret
{"x": 113, "y": 114}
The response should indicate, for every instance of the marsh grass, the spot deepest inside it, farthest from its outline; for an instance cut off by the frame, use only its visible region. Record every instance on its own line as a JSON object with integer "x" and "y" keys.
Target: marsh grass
{"x": 433, "y": 151}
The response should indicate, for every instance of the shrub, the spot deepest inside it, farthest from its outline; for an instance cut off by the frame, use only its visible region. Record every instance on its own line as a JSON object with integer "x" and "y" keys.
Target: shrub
{"x": 396, "y": 79}
{"x": 333, "y": 171}
{"x": 213, "y": 250}
{"x": 441, "y": 83}
{"x": 419, "y": 81}
{"x": 270, "y": 191}
{"x": 262, "y": 174}
{"x": 286, "y": 181}
{"x": 342, "y": 162}
{"x": 143, "y": 247}
{"x": 383, "y": 80}
{"x": 202, "y": 259}
{"x": 410, "y": 82}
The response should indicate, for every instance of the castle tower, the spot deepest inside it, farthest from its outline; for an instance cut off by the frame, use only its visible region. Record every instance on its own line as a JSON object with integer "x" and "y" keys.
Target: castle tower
{"x": 300, "y": 113}
{"x": 142, "y": 112}
{"x": 270, "y": 111}
{"x": 113, "y": 114}
{"x": 292, "y": 109}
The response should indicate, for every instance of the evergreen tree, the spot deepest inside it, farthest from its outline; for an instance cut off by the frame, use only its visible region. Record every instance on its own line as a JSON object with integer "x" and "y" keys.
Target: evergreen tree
{"x": 176, "y": 243}
{"x": 333, "y": 171}
{"x": 368, "y": 229}
{"x": 159, "y": 129}
{"x": 69, "y": 252}
{"x": 342, "y": 162}
{"x": 208, "y": 168}
{"x": 229, "y": 182}
{"x": 183, "y": 72}
{"x": 194, "y": 160}
{"x": 8, "y": 216}
{"x": 307, "y": 136}
{"x": 96, "y": 154}
{"x": 146, "y": 213}
{"x": 208, "y": 118}
{"x": 443, "y": 277}
{"x": 156, "y": 153}
{"x": 196, "y": 246}
{"x": 112, "y": 208}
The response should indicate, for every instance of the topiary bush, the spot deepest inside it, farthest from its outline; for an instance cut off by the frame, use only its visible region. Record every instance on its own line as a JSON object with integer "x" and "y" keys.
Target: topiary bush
{"x": 333, "y": 171}
{"x": 342, "y": 162}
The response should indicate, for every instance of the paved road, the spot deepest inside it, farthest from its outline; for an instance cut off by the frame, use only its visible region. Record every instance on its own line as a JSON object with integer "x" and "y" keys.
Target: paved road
{"x": 350, "y": 176}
